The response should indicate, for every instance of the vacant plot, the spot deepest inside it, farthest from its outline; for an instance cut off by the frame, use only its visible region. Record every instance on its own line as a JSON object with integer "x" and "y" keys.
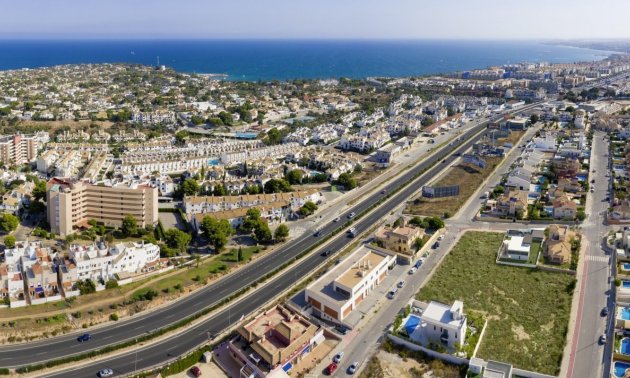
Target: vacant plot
{"x": 527, "y": 309}
{"x": 466, "y": 176}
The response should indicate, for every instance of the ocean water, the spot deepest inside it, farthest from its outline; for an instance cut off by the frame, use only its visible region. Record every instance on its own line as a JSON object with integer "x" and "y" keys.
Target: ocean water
{"x": 254, "y": 60}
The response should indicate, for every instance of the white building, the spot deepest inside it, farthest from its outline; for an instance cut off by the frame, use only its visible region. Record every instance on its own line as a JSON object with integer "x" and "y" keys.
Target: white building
{"x": 337, "y": 293}
{"x": 435, "y": 323}
{"x": 98, "y": 263}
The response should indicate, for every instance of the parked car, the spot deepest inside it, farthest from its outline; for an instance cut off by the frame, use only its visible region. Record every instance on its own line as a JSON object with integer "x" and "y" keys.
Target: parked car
{"x": 195, "y": 371}
{"x": 441, "y": 237}
{"x": 84, "y": 337}
{"x": 338, "y": 357}
{"x": 413, "y": 270}
{"x": 602, "y": 339}
{"x": 351, "y": 215}
{"x": 400, "y": 284}
{"x": 341, "y": 329}
{"x": 418, "y": 263}
{"x": 605, "y": 311}
{"x": 436, "y": 245}
{"x": 353, "y": 368}
{"x": 106, "y": 373}
{"x": 331, "y": 368}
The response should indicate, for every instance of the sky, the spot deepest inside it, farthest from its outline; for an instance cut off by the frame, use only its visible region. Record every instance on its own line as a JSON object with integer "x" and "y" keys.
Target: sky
{"x": 319, "y": 19}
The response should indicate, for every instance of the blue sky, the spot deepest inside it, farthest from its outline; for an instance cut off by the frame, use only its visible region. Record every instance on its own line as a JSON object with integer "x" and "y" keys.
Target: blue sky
{"x": 388, "y": 19}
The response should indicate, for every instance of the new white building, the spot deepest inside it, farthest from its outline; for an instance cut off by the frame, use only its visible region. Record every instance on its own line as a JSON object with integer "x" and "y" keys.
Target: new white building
{"x": 435, "y": 323}
{"x": 98, "y": 263}
{"x": 334, "y": 295}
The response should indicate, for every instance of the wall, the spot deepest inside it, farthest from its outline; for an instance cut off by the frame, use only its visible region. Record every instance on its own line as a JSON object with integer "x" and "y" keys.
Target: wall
{"x": 442, "y": 356}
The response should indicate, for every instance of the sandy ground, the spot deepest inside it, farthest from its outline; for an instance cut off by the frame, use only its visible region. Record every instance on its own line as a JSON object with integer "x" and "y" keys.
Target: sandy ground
{"x": 394, "y": 366}
{"x": 207, "y": 370}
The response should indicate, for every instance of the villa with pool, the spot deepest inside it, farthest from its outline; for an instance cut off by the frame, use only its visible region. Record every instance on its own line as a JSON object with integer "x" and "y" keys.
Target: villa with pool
{"x": 435, "y": 323}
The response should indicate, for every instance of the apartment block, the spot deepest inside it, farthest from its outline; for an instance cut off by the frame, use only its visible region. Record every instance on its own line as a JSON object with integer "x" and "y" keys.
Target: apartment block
{"x": 73, "y": 203}
{"x": 17, "y": 149}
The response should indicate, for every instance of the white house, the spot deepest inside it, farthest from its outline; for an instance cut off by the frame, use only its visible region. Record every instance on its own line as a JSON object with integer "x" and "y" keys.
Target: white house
{"x": 436, "y": 323}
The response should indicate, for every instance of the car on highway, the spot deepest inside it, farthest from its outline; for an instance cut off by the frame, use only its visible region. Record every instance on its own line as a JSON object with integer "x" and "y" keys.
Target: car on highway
{"x": 383, "y": 191}
{"x": 605, "y": 311}
{"x": 317, "y": 233}
{"x": 330, "y": 369}
{"x": 353, "y": 368}
{"x": 602, "y": 339}
{"x": 195, "y": 371}
{"x": 351, "y": 215}
{"x": 413, "y": 270}
{"x": 337, "y": 219}
{"x": 351, "y": 230}
{"x": 326, "y": 253}
{"x": 84, "y": 337}
{"x": 400, "y": 284}
{"x": 341, "y": 329}
{"x": 338, "y": 357}
{"x": 106, "y": 373}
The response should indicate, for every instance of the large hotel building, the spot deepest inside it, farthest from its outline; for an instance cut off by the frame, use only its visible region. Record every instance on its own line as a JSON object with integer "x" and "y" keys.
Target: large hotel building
{"x": 74, "y": 203}
{"x": 17, "y": 149}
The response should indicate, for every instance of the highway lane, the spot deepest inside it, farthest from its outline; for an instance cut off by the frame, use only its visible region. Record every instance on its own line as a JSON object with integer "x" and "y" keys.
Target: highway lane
{"x": 66, "y": 345}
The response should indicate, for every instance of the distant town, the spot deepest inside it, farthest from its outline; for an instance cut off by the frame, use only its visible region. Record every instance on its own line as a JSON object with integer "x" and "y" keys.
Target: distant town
{"x": 468, "y": 224}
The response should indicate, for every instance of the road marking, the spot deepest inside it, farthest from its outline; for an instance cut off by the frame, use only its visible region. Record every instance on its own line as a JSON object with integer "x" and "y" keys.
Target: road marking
{"x": 597, "y": 258}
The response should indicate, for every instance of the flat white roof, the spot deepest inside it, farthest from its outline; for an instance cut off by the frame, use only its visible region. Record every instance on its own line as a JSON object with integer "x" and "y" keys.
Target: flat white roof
{"x": 440, "y": 313}
{"x": 516, "y": 244}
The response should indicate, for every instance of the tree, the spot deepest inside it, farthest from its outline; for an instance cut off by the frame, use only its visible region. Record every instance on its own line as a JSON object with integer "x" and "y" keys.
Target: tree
{"x": 307, "y": 209}
{"x": 580, "y": 215}
{"x": 111, "y": 284}
{"x": 358, "y": 168}
{"x": 129, "y": 225}
{"x": 196, "y": 120}
{"x": 519, "y": 214}
{"x": 219, "y": 190}
{"x": 180, "y": 137}
{"x": 251, "y": 220}
{"x": 216, "y": 231}
{"x": 428, "y": 121}
{"x": 239, "y": 254}
{"x": 190, "y": 187}
{"x": 274, "y": 136}
{"x": 177, "y": 239}
{"x": 9, "y": 222}
{"x": 9, "y": 241}
{"x": 86, "y": 286}
{"x": 418, "y": 243}
{"x": 262, "y": 233}
{"x": 295, "y": 176}
{"x": 534, "y": 118}
{"x": 277, "y": 186}
{"x": 434, "y": 223}
{"x": 281, "y": 233}
{"x": 347, "y": 181}
{"x": 39, "y": 191}
{"x": 226, "y": 118}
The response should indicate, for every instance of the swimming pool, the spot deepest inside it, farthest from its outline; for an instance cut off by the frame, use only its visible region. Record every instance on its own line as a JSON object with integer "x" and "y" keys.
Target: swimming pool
{"x": 625, "y": 313}
{"x": 620, "y": 368}
{"x": 411, "y": 324}
{"x": 626, "y": 266}
{"x": 535, "y": 188}
{"x": 625, "y": 284}
{"x": 625, "y": 346}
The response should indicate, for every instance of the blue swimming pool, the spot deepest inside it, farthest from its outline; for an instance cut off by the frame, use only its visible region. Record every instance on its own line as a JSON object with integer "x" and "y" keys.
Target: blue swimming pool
{"x": 581, "y": 177}
{"x": 625, "y": 284}
{"x": 625, "y": 313}
{"x": 620, "y": 368}
{"x": 625, "y": 346}
{"x": 535, "y": 188}
{"x": 626, "y": 266}
{"x": 411, "y": 324}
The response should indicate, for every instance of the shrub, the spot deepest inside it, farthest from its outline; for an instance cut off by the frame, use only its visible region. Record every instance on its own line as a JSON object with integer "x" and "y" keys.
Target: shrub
{"x": 111, "y": 284}
{"x": 113, "y": 317}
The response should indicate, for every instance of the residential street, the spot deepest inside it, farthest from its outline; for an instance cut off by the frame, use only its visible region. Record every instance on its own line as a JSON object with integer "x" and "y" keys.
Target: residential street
{"x": 586, "y": 357}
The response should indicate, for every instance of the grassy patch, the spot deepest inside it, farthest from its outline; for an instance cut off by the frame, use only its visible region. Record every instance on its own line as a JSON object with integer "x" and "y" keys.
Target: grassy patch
{"x": 232, "y": 255}
{"x": 527, "y": 310}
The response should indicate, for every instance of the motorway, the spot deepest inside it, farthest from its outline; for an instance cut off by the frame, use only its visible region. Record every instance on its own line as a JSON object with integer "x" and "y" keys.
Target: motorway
{"x": 158, "y": 353}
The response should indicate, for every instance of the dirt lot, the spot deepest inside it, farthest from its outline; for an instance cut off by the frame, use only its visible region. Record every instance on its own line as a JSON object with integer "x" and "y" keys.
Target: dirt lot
{"x": 391, "y": 365}
{"x": 467, "y": 176}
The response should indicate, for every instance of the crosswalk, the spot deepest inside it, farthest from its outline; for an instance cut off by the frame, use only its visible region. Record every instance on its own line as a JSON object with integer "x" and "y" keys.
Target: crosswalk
{"x": 597, "y": 258}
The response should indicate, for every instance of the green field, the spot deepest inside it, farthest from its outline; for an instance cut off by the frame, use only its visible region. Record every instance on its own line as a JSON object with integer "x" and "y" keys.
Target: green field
{"x": 527, "y": 310}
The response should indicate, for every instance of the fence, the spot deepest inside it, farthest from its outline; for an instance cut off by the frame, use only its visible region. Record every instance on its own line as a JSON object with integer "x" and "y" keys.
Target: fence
{"x": 442, "y": 356}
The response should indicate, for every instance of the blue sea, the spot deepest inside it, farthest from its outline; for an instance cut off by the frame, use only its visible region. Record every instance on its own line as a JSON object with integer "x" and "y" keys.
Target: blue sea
{"x": 254, "y": 60}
